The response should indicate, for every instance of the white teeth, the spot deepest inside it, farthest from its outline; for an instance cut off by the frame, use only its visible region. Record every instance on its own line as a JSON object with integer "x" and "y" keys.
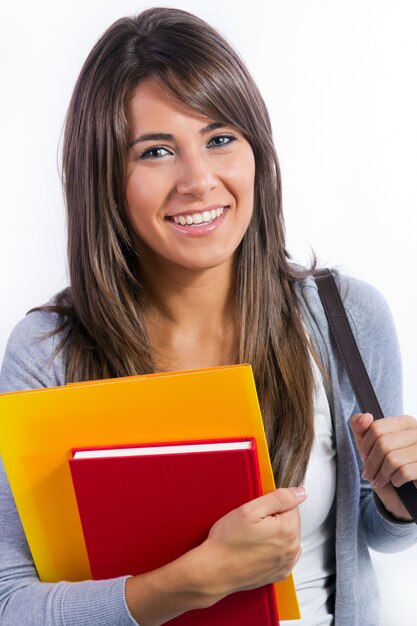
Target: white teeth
{"x": 198, "y": 218}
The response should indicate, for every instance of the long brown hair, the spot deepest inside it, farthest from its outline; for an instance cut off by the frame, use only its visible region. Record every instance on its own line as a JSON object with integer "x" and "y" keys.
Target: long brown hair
{"x": 103, "y": 307}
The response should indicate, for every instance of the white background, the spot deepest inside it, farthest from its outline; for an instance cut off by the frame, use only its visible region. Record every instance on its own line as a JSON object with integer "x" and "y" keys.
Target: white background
{"x": 339, "y": 78}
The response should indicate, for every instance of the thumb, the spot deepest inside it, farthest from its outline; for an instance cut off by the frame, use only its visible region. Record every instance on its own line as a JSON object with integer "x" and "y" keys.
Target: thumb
{"x": 280, "y": 500}
{"x": 360, "y": 422}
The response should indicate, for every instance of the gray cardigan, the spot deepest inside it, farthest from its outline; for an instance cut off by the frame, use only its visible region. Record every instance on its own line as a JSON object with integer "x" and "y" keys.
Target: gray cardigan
{"x": 24, "y": 601}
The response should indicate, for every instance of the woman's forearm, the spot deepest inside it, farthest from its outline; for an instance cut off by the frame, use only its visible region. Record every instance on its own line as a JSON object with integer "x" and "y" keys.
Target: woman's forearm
{"x": 182, "y": 585}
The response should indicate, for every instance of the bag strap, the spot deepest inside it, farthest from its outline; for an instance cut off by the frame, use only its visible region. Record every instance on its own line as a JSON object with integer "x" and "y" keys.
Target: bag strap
{"x": 354, "y": 365}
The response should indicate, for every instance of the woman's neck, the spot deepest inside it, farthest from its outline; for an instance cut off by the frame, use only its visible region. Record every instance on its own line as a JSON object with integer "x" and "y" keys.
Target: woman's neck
{"x": 191, "y": 318}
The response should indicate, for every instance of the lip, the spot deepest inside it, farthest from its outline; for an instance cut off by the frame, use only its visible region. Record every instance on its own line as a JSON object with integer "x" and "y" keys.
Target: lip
{"x": 199, "y": 230}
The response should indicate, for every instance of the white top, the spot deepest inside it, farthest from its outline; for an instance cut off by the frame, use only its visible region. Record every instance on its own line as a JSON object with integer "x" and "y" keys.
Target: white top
{"x": 313, "y": 573}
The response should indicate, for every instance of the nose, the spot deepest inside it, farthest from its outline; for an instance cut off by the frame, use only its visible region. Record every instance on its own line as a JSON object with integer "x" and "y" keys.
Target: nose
{"x": 196, "y": 176}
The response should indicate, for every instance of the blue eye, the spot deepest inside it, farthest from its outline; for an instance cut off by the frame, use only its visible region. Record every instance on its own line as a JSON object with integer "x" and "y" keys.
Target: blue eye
{"x": 158, "y": 152}
{"x": 221, "y": 140}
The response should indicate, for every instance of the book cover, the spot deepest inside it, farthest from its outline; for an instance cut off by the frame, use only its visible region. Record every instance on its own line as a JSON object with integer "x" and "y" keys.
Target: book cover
{"x": 143, "y": 508}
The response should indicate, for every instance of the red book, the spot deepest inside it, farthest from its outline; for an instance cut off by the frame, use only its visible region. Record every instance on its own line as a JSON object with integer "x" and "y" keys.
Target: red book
{"x": 140, "y": 510}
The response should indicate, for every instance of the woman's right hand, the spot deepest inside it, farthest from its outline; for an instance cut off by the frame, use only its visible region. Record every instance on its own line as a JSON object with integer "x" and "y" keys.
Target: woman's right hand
{"x": 253, "y": 545}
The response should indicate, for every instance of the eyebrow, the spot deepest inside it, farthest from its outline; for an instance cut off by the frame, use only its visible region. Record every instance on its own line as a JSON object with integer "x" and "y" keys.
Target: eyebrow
{"x": 168, "y": 137}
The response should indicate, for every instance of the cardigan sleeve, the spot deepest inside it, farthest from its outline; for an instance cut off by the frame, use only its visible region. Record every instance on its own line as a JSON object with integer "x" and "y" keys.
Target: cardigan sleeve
{"x": 29, "y": 363}
{"x": 375, "y": 333}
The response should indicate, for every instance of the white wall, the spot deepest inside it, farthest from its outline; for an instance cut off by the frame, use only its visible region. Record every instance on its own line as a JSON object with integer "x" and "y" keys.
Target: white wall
{"x": 339, "y": 79}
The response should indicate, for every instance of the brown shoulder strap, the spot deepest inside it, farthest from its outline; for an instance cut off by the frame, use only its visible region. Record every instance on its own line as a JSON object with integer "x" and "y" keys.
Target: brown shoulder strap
{"x": 354, "y": 365}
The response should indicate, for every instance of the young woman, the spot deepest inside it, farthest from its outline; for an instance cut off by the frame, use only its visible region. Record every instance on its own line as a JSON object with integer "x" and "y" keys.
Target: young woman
{"x": 177, "y": 260}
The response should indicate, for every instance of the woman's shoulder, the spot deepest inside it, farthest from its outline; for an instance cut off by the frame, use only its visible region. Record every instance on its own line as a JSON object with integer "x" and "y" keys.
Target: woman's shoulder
{"x": 32, "y": 357}
{"x": 370, "y": 319}
{"x": 364, "y": 303}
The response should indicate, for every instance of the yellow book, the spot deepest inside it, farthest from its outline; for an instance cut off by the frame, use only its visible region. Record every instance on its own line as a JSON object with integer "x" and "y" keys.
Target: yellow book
{"x": 38, "y": 429}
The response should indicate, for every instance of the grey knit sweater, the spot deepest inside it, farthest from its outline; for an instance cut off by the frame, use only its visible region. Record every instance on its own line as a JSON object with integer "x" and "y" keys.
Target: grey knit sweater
{"x": 25, "y": 601}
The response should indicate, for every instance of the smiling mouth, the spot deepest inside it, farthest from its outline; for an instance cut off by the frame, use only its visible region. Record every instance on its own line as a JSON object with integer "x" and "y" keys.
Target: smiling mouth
{"x": 196, "y": 219}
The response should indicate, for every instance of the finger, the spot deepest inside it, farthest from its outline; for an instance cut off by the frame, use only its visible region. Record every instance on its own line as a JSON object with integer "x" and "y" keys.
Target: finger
{"x": 387, "y": 444}
{"x": 278, "y": 501}
{"x": 359, "y": 425}
{"x": 402, "y": 476}
{"x": 399, "y": 467}
{"x": 360, "y": 422}
{"x": 385, "y": 426}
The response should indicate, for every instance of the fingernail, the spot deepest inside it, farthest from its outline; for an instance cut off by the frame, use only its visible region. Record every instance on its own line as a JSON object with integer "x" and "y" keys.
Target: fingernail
{"x": 300, "y": 492}
{"x": 365, "y": 475}
{"x": 375, "y": 484}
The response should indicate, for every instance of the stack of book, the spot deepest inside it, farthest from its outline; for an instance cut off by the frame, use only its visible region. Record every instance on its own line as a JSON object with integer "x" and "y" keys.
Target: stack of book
{"x": 121, "y": 476}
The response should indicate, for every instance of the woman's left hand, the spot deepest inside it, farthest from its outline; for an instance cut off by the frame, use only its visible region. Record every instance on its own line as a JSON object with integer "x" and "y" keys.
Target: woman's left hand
{"x": 388, "y": 449}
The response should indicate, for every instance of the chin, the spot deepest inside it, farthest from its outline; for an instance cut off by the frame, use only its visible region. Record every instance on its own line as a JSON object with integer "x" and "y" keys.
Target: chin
{"x": 201, "y": 265}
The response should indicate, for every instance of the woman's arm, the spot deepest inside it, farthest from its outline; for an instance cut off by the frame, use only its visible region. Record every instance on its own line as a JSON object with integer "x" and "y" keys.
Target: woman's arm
{"x": 25, "y": 601}
{"x": 387, "y": 528}
{"x": 252, "y": 545}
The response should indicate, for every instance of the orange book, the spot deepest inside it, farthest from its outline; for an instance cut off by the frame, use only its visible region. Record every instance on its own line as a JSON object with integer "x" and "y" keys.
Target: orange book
{"x": 39, "y": 428}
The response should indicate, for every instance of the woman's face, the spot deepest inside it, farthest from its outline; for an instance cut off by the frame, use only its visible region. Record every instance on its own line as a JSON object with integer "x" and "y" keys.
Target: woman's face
{"x": 190, "y": 183}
